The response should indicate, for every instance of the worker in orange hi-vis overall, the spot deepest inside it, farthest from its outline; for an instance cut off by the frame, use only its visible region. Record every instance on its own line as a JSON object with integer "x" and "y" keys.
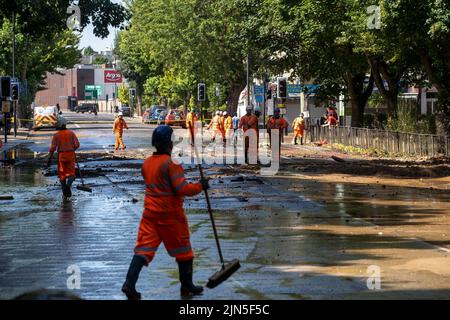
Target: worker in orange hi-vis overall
{"x": 65, "y": 142}
{"x": 228, "y": 127}
{"x": 216, "y": 126}
{"x": 299, "y": 129}
{"x": 164, "y": 219}
{"x": 191, "y": 118}
{"x": 119, "y": 125}
{"x": 249, "y": 121}
{"x": 277, "y": 123}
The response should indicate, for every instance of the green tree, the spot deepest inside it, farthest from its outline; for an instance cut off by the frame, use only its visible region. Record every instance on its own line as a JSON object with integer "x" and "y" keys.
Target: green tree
{"x": 88, "y": 51}
{"x": 123, "y": 94}
{"x": 100, "y": 60}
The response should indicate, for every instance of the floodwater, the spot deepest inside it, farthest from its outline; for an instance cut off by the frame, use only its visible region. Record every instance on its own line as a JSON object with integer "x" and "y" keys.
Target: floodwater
{"x": 296, "y": 238}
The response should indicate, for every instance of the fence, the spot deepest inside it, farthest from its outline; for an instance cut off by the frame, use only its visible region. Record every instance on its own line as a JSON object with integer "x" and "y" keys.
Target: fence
{"x": 410, "y": 144}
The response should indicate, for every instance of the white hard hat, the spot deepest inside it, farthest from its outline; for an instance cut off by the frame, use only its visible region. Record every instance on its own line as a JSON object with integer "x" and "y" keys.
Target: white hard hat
{"x": 225, "y": 113}
{"x": 217, "y": 113}
{"x": 120, "y": 113}
{"x": 62, "y": 121}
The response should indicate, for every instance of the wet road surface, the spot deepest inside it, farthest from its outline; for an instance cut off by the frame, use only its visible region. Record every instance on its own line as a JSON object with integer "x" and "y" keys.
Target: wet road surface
{"x": 296, "y": 238}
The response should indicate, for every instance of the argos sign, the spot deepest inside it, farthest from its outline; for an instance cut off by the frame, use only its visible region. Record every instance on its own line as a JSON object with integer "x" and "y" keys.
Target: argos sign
{"x": 113, "y": 76}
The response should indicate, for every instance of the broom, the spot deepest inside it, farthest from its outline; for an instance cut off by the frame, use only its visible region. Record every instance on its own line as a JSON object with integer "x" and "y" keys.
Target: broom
{"x": 227, "y": 269}
{"x": 82, "y": 187}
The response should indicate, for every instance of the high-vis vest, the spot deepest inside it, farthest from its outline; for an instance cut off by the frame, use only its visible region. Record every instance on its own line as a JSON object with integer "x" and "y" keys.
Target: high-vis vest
{"x": 64, "y": 141}
{"x": 119, "y": 124}
{"x": 166, "y": 185}
{"x": 249, "y": 122}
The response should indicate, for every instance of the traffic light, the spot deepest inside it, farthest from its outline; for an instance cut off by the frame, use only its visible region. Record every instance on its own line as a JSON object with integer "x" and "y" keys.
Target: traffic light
{"x": 5, "y": 87}
{"x": 201, "y": 92}
{"x": 15, "y": 91}
{"x": 282, "y": 88}
{"x": 132, "y": 93}
{"x": 95, "y": 94}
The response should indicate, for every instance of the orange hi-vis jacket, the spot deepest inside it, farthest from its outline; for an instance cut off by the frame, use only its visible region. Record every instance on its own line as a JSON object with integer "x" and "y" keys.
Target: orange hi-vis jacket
{"x": 228, "y": 123}
{"x": 216, "y": 123}
{"x": 166, "y": 185}
{"x": 65, "y": 142}
{"x": 190, "y": 119}
{"x": 299, "y": 126}
{"x": 248, "y": 122}
{"x": 119, "y": 125}
{"x": 164, "y": 219}
{"x": 279, "y": 123}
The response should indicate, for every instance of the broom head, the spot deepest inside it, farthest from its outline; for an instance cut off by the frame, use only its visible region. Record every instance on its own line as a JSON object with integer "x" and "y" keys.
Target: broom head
{"x": 84, "y": 187}
{"x": 223, "y": 274}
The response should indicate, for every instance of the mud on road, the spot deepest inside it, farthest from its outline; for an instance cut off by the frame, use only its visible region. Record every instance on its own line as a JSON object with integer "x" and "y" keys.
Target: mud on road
{"x": 306, "y": 233}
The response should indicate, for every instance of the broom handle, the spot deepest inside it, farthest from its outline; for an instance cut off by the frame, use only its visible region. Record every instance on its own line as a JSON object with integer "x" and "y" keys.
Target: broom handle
{"x": 200, "y": 169}
{"x": 79, "y": 170}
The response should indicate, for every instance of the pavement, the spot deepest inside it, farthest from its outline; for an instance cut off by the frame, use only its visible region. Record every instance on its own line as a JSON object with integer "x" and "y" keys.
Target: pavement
{"x": 297, "y": 234}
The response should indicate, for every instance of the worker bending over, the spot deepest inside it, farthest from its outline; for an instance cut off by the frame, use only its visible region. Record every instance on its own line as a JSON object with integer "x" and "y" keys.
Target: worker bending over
{"x": 164, "y": 219}
{"x": 65, "y": 142}
{"x": 119, "y": 125}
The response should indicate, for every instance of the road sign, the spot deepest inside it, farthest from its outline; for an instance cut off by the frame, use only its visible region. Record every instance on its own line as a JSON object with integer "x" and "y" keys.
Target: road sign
{"x": 259, "y": 94}
{"x": 6, "y": 106}
{"x": 89, "y": 91}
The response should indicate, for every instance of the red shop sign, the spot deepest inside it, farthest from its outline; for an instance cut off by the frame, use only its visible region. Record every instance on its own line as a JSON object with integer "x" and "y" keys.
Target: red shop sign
{"x": 113, "y": 76}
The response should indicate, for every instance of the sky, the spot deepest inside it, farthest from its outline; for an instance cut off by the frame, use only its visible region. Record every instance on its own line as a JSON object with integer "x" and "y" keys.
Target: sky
{"x": 98, "y": 44}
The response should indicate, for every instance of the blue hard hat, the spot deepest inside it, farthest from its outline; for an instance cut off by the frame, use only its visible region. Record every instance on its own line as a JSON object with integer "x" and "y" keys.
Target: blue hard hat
{"x": 162, "y": 136}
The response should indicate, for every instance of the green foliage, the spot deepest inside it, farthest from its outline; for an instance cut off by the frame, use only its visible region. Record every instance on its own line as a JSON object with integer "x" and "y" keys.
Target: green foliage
{"x": 100, "y": 60}
{"x": 407, "y": 119}
{"x": 88, "y": 51}
{"x": 123, "y": 94}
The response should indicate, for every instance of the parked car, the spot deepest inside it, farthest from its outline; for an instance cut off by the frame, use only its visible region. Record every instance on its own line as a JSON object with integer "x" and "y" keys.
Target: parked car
{"x": 46, "y": 117}
{"x": 154, "y": 109}
{"x": 126, "y": 110}
{"x": 161, "y": 116}
{"x": 87, "y": 107}
{"x": 175, "y": 118}
{"x": 151, "y": 114}
{"x": 156, "y": 114}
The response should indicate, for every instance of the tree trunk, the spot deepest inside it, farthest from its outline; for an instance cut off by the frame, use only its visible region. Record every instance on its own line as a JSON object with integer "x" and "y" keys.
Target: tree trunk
{"x": 139, "y": 93}
{"x": 358, "y": 96}
{"x": 443, "y": 107}
{"x": 390, "y": 94}
{"x": 233, "y": 97}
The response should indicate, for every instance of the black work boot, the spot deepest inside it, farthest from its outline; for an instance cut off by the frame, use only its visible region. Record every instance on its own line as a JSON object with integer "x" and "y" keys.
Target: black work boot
{"x": 69, "y": 186}
{"x": 129, "y": 286}
{"x": 64, "y": 189}
{"x": 187, "y": 287}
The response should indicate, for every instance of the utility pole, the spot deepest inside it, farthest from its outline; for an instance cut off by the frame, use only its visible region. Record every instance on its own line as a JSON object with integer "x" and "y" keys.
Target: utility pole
{"x": 248, "y": 80}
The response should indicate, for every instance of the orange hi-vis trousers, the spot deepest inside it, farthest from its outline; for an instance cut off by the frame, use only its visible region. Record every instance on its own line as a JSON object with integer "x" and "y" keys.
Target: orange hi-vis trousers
{"x": 172, "y": 229}
{"x": 119, "y": 140}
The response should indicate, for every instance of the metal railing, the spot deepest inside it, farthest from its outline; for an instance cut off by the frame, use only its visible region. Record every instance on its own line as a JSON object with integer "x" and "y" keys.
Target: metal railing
{"x": 410, "y": 144}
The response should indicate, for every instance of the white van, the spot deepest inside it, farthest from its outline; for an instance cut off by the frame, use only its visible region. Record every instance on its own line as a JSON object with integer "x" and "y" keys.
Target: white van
{"x": 46, "y": 117}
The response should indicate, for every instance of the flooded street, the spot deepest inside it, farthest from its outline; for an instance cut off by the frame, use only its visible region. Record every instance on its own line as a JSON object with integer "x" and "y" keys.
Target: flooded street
{"x": 298, "y": 234}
